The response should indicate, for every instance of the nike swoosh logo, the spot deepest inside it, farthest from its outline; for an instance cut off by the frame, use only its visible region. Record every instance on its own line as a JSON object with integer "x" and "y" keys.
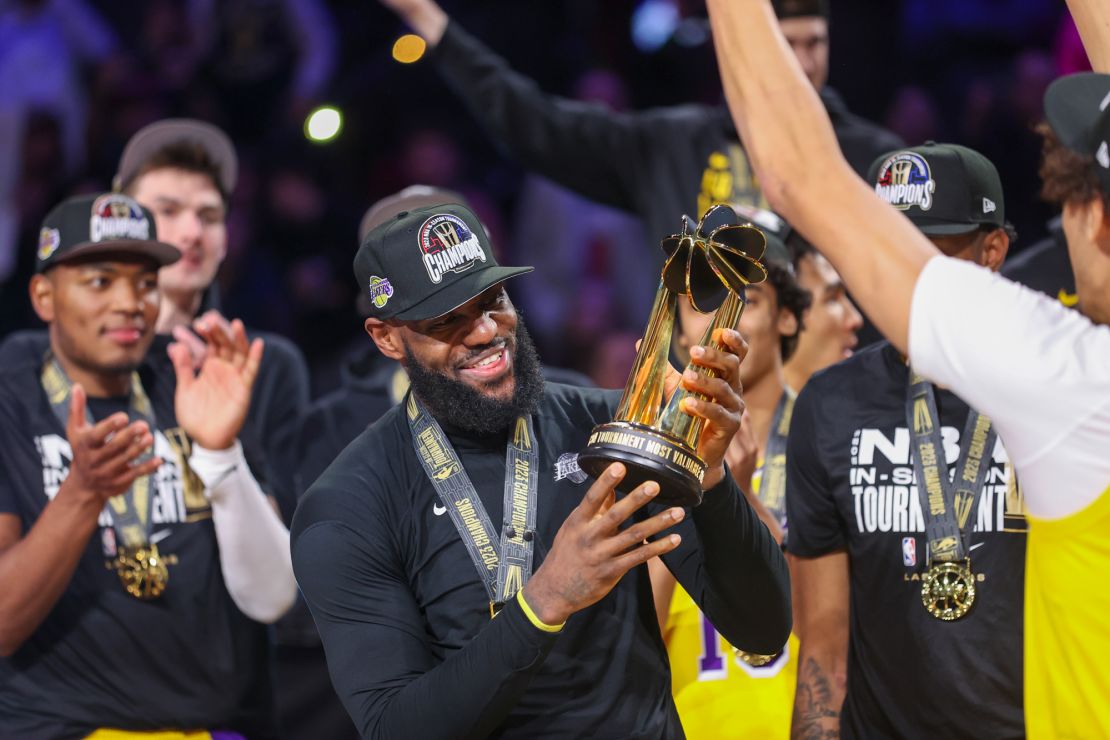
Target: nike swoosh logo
{"x": 977, "y": 544}
{"x": 1068, "y": 299}
{"x": 439, "y": 510}
{"x": 159, "y": 536}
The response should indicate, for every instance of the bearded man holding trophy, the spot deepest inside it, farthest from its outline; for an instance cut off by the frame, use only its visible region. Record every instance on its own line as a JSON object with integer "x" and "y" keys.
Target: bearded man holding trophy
{"x": 532, "y": 626}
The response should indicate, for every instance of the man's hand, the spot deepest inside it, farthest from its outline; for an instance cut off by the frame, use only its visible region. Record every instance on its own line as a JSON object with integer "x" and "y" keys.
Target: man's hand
{"x": 212, "y": 405}
{"x": 591, "y": 553}
{"x": 423, "y": 16}
{"x": 105, "y": 455}
{"x": 725, "y": 406}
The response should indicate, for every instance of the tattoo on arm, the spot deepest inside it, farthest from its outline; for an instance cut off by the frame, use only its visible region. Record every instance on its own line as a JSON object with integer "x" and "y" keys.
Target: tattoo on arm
{"x": 816, "y": 714}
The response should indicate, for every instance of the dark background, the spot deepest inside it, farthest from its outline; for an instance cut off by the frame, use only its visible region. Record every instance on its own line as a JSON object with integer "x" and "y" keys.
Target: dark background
{"x": 970, "y": 71}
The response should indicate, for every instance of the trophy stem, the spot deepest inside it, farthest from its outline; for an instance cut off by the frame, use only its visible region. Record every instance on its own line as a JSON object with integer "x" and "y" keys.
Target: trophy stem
{"x": 643, "y": 392}
{"x": 674, "y": 419}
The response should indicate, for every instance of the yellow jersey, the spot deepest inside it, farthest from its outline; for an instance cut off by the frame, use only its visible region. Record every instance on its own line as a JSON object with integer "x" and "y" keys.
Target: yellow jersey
{"x": 1067, "y": 624}
{"x": 717, "y": 694}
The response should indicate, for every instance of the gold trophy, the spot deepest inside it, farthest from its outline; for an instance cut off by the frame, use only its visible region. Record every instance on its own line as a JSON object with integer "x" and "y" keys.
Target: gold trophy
{"x": 710, "y": 263}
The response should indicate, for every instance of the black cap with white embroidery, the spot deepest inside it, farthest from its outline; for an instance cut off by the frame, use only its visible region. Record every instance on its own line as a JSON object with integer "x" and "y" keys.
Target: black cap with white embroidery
{"x": 423, "y": 263}
{"x": 108, "y": 223}
{"x": 1078, "y": 110}
{"x": 943, "y": 189}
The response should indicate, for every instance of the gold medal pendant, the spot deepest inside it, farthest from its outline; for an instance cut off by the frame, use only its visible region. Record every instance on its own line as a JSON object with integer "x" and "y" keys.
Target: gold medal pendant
{"x": 143, "y": 571}
{"x": 948, "y": 590}
{"x": 755, "y": 660}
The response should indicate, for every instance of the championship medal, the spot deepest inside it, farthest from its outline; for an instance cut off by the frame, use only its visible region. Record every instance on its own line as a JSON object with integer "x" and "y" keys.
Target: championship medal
{"x": 143, "y": 571}
{"x": 755, "y": 660}
{"x": 948, "y": 590}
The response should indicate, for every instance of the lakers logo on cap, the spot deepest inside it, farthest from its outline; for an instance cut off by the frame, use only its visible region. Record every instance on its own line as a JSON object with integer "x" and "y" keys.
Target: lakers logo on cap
{"x": 448, "y": 245}
{"x": 381, "y": 290}
{"x": 49, "y": 240}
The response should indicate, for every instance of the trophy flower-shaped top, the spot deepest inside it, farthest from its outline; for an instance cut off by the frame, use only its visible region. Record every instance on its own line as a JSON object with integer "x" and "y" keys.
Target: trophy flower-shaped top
{"x": 716, "y": 256}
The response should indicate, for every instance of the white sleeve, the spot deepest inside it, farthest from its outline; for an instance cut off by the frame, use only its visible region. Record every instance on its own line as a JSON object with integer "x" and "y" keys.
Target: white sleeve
{"x": 1039, "y": 370}
{"x": 254, "y": 544}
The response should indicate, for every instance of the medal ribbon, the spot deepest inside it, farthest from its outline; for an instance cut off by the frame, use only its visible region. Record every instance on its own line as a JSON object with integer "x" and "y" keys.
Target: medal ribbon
{"x": 772, "y": 488}
{"x": 503, "y": 562}
{"x": 130, "y": 511}
{"x": 948, "y": 505}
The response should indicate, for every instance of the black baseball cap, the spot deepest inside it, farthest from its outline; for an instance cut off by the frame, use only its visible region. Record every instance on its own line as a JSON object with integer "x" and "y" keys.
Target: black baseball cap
{"x": 1078, "y": 111}
{"x": 94, "y": 224}
{"x": 426, "y": 262}
{"x": 160, "y": 134}
{"x": 943, "y": 189}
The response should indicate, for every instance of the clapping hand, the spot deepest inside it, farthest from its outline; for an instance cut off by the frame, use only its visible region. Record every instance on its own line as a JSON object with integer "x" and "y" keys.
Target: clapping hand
{"x": 211, "y": 403}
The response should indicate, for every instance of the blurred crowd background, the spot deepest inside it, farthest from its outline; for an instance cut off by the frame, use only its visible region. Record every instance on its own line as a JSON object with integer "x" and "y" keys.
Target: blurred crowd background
{"x": 78, "y": 77}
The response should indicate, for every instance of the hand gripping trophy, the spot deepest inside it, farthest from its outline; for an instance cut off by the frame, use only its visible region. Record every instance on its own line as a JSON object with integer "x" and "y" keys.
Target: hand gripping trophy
{"x": 651, "y": 435}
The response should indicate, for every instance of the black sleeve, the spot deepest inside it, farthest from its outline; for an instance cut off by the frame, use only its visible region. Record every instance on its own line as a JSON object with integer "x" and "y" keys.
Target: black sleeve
{"x": 811, "y": 512}
{"x": 378, "y": 652}
{"x": 582, "y": 146}
{"x": 734, "y": 570}
{"x": 280, "y": 396}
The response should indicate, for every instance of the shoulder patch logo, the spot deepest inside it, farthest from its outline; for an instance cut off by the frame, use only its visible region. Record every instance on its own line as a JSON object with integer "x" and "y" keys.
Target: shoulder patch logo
{"x": 448, "y": 245}
{"x": 905, "y": 180}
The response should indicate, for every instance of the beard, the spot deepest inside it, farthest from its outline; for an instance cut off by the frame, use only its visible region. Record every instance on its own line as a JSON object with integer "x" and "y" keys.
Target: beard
{"x": 465, "y": 407}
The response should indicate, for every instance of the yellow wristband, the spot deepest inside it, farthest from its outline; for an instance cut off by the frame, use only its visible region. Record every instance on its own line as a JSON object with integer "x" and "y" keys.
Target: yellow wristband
{"x": 533, "y": 618}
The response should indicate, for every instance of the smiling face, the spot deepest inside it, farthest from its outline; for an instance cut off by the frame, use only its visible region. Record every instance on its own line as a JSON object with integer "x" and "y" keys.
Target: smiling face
{"x": 475, "y": 344}
{"x": 189, "y": 214}
{"x": 475, "y": 367}
{"x": 101, "y": 311}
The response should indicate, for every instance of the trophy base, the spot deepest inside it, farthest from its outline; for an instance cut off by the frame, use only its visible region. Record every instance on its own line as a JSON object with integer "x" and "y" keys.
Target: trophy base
{"x": 647, "y": 454}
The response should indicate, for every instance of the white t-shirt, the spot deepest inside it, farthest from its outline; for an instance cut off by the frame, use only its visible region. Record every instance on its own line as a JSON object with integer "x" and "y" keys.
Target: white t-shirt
{"x": 1039, "y": 370}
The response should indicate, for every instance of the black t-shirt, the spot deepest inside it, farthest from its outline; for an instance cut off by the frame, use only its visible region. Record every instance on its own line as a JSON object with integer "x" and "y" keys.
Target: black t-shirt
{"x": 850, "y": 487}
{"x": 101, "y": 658}
{"x": 269, "y": 434}
{"x": 405, "y": 620}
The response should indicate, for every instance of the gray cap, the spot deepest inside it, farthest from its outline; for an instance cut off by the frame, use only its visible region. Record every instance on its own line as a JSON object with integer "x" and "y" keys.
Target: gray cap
{"x": 160, "y": 134}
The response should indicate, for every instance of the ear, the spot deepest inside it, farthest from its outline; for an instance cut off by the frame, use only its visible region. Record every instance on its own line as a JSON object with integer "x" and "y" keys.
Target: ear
{"x": 41, "y": 289}
{"x": 995, "y": 246}
{"x": 787, "y": 324}
{"x": 387, "y": 337}
{"x": 1098, "y": 223}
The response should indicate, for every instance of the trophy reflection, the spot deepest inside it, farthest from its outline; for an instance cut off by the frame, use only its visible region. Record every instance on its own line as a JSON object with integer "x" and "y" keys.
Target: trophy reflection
{"x": 710, "y": 263}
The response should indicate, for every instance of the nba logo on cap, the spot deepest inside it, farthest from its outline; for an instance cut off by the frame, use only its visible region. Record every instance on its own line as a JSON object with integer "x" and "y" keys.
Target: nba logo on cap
{"x": 909, "y": 551}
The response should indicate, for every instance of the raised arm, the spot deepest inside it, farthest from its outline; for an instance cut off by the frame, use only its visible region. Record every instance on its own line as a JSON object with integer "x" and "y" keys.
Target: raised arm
{"x": 803, "y": 173}
{"x": 583, "y": 146}
{"x": 211, "y": 407}
{"x": 1092, "y": 18}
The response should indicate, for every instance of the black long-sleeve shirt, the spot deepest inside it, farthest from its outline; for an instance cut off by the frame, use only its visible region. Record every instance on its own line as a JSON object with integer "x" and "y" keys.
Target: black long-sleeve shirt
{"x": 405, "y": 619}
{"x": 657, "y": 164}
